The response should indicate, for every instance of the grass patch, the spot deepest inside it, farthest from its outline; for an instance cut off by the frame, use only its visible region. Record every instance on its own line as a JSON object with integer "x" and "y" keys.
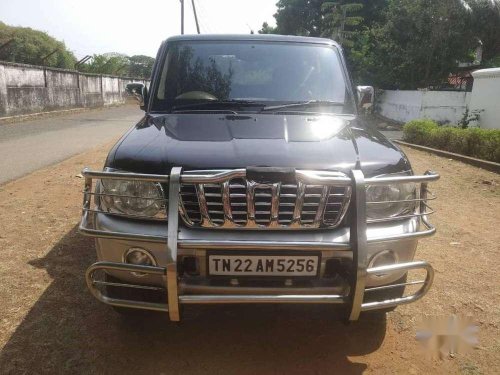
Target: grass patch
{"x": 478, "y": 143}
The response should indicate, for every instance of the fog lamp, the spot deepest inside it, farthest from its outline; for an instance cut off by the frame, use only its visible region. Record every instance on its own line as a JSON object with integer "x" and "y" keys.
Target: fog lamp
{"x": 138, "y": 256}
{"x": 383, "y": 258}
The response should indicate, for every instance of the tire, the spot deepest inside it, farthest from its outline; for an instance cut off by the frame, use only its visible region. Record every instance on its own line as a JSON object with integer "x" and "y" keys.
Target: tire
{"x": 384, "y": 294}
{"x": 130, "y": 294}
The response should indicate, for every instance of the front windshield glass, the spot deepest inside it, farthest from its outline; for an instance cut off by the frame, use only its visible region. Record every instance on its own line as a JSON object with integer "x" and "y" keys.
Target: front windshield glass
{"x": 261, "y": 72}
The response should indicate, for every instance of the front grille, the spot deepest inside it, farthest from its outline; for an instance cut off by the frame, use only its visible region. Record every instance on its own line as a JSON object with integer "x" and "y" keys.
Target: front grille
{"x": 239, "y": 203}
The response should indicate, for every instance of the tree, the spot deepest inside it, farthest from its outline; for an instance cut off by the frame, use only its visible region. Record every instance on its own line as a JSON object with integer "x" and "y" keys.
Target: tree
{"x": 373, "y": 11}
{"x": 486, "y": 27}
{"x": 419, "y": 43}
{"x": 28, "y": 46}
{"x": 337, "y": 20}
{"x": 404, "y": 44}
{"x": 307, "y": 17}
{"x": 108, "y": 63}
{"x": 266, "y": 29}
{"x": 297, "y": 17}
{"x": 140, "y": 66}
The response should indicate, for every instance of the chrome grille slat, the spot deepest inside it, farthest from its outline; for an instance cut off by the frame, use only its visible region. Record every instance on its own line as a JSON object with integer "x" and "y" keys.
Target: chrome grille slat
{"x": 226, "y": 205}
{"x": 234, "y": 202}
{"x": 202, "y": 199}
{"x": 250, "y": 196}
{"x": 275, "y": 205}
{"x": 321, "y": 206}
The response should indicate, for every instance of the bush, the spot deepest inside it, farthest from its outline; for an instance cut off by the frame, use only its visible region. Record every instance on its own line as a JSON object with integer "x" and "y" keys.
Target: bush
{"x": 475, "y": 142}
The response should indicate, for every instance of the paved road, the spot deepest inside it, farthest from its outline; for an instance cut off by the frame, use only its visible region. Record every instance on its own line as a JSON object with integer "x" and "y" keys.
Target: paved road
{"x": 28, "y": 146}
{"x": 393, "y": 134}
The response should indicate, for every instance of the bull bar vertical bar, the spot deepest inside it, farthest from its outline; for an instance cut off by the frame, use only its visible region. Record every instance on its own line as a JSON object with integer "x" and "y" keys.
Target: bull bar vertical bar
{"x": 358, "y": 244}
{"x": 87, "y": 191}
{"x": 173, "y": 231}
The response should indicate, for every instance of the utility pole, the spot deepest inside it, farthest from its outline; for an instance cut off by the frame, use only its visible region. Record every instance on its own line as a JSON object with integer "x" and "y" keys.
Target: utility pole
{"x": 195, "y": 17}
{"x": 342, "y": 24}
{"x": 182, "y": 17}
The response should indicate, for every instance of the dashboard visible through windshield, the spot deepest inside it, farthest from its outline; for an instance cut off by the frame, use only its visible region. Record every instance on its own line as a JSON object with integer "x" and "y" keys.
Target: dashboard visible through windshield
{"x": 245, "y": 74}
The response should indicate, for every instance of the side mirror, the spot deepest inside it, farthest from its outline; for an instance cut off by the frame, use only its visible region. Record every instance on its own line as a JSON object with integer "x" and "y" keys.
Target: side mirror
{"x": 139, "y": 91}
{"x": 366, "y": 96}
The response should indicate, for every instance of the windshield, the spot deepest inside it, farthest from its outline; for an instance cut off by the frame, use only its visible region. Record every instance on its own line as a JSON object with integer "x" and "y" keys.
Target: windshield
{"x": 257, "y": 72}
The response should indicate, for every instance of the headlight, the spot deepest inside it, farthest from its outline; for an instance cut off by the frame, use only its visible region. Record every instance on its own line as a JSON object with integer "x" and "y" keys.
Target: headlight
{"x": 385, "y": 200}
{"x": 135, "y": 198}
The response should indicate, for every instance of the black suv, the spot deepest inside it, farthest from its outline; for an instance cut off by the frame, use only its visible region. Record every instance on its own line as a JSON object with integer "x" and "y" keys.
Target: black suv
{"x": 252, "y": 179}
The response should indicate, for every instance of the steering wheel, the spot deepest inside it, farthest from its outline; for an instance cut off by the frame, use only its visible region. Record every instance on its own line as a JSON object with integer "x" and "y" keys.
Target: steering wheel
{"x": 196, "y": 95}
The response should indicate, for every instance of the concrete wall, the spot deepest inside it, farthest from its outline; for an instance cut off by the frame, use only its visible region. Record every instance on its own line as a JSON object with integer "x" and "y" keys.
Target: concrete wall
{"x": 28, "y": 89}
{"x": 486, "y": 97}
{"x": 406, "y": 105}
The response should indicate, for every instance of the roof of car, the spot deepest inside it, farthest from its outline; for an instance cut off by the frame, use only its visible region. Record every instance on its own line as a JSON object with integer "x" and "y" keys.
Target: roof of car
{"x": 253, "y": 37}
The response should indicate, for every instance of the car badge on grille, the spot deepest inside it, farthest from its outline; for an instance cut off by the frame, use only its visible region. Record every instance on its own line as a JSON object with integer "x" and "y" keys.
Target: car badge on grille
{"x": 270, "y": 175}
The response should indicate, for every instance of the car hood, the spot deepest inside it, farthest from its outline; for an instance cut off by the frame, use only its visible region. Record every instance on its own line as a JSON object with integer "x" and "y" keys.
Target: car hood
{"x": 220, "y": 141}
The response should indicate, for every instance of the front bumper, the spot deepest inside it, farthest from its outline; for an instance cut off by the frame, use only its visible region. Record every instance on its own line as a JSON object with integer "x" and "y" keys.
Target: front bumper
{"x": 354, "y": 242}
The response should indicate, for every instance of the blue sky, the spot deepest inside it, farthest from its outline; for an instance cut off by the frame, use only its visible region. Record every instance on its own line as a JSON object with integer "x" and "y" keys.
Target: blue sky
{"x": 132, "y": 27}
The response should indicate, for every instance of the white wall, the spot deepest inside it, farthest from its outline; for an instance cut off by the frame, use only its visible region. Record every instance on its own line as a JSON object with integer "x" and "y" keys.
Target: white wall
{"x": 28, "y": 89}
{"x": 486, "y": 97}
{"x": 407, "y": 105}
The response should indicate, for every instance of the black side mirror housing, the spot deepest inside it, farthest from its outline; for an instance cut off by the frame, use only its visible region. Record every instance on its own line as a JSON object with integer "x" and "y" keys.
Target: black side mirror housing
{"x": 366, "y": 96}
{"x": 140, "y": 92}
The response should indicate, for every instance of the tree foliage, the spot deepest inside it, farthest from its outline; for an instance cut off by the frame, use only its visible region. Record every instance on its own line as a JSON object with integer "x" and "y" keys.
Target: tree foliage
{"x": 418, "y": 45}
{"x": 108, "y": 63}
{"x": 338, "y": 21}
{"x": 28, "y": 46}
{"x": 140, "y": 66}
{"x": 405, "y": 44}
{"x": 486, "y": 26}
{"x": 297, "y": 17}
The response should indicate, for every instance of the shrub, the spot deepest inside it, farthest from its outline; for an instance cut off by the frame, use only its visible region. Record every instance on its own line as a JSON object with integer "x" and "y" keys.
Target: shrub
{"x": 475, "y": 142}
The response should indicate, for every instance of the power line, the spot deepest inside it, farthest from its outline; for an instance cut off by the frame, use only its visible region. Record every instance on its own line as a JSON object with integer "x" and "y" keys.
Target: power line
{"x": 182, "y": 17}
{"x": 195, "y": 17}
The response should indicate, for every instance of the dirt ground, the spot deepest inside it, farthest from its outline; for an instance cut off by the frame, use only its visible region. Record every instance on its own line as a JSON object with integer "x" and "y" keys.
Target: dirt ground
{"x": 49, "y": 322}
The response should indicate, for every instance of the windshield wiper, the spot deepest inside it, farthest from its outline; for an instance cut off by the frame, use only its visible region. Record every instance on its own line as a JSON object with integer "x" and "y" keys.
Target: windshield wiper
{"x": 309, "y": 103}
{"x": 220, "y": 104}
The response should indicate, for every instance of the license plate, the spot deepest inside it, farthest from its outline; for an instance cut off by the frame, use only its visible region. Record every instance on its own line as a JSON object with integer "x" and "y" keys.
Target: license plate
{"x": 263, "y": 265}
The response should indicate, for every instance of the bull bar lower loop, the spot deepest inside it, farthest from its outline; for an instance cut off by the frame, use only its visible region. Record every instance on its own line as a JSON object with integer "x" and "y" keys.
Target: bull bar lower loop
{"x": 93, "y": 285}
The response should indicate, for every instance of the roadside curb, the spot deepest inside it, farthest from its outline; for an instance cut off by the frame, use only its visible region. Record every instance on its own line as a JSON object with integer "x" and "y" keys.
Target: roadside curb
{"x": 38, "y": 115}
{"x": 489, "y": 165}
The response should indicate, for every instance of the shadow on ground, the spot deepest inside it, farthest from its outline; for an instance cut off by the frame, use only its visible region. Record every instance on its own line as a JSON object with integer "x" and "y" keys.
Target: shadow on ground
{"x": 68, "y": 331}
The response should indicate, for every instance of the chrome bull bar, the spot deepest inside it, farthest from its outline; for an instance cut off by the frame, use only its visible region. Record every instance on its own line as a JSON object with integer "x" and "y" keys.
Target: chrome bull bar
{"x": 94, "y": 284}
{"x": 357, "y": 244}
